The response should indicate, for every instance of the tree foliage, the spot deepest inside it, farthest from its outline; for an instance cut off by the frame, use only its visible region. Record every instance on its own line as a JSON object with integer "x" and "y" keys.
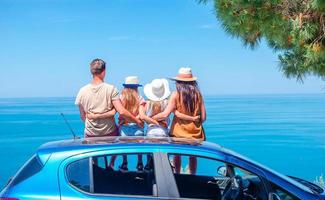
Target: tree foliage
{"x": 295, "y": 28}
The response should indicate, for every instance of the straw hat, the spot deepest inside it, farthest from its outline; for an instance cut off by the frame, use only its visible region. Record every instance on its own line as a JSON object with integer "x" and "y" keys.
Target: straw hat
{"x": 157, "y": 90}
{"x": 185, "y": 74}
{"x": 131, "y": 81}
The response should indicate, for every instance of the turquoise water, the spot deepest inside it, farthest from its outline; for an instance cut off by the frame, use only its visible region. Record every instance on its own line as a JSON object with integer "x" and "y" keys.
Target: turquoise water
{"x": 284, "y": 132}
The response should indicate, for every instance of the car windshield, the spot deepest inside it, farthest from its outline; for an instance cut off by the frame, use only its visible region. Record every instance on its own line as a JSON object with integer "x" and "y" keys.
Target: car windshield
{"x": 286, "y": 178}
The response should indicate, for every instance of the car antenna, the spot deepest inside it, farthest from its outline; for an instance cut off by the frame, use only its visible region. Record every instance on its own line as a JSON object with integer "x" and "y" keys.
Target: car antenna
{"x": 67, "y": 123}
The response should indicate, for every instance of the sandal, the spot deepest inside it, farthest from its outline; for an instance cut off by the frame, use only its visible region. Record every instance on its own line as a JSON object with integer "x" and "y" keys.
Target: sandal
{"x": 140, "y": 167}
{"x": 124, "y": 167}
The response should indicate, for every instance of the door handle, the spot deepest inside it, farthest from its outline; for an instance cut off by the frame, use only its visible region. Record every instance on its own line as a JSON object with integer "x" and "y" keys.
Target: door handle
{"x": 138, "y": 178}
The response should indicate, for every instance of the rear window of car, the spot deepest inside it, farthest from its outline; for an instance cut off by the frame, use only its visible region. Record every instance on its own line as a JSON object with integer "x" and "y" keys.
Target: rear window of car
{"x": 32, "y": 167}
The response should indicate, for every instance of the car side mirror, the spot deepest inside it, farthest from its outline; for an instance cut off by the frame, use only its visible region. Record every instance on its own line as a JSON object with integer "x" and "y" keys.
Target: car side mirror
{"x": 222, "y": 170}
{"x": 274, "y": 196}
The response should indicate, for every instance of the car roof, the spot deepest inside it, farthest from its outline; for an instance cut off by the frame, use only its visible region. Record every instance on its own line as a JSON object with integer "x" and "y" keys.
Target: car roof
{"x": 95, "y": 142}
{"x": 98, "y": 143}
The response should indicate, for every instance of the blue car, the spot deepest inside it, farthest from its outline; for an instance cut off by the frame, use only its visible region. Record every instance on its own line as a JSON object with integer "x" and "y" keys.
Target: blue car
{"x": 88, "y": 169}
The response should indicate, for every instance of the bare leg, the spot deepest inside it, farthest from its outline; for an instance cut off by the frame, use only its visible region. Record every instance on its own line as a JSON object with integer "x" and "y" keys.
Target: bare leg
{"x": 177, "y": 164}
{"x": 193, "y": 164}
{"x": 140, "y": 163}
{"x": 140, "y": 159}
{"x": 105, "y": 159}
{"x": 149, "y": 164}
{"x": 112, "y": 162}
{"x": 125, "y": 159}
{"x": 148, "y": 158}
{"x": 95, "y": 161}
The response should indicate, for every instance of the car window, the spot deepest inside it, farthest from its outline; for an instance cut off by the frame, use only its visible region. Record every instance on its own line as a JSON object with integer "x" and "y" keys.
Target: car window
{"x": 78, "y": 174}
{"x": 97, "y": 176}
{"x": 283, "y": 194}
{"x": 31, "y": 167}
{"x": 205, "y": 178}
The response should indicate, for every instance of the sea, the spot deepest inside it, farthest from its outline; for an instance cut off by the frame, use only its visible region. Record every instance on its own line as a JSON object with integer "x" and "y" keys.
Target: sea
{"x": 283, "y": 132}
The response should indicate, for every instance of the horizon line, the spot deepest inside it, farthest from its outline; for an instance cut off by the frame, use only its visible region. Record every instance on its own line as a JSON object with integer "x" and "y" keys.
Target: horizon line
{"x": 206, "y": 95}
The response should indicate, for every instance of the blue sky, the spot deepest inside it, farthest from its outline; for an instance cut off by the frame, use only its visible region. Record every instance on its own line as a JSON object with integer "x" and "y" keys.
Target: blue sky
{"x": 46, "y": 47}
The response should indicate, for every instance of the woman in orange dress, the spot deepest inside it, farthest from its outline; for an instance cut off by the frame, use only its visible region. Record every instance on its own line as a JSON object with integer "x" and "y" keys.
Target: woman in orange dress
{"x": 186, "y": 100}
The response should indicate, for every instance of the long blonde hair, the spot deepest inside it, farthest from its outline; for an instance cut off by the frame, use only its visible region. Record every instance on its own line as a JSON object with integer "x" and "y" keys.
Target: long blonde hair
{"x": 130, "y": 100}
{"x": 155, "y": 107}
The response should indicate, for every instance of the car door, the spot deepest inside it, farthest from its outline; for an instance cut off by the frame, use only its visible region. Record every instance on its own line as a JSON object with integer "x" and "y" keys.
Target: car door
{"x": 209, "y": 181}
{"x": 88, "y": 176}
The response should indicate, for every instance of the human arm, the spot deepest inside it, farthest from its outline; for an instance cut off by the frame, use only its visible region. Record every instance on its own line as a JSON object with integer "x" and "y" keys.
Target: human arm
{"x": 144, "y": 117}
{"x": 82, "y": 113}
{"x": 124, "y": 113}
{"x": 78, "y": 102}
{"x": 105, "y": 115}
{"x": 203, "y": 112}
{"x": 169, "y": 109}
{"x": 186, "y": 117}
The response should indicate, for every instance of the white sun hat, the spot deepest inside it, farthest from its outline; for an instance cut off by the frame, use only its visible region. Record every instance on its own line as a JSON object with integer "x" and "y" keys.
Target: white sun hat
{"x": 131, "y": 81}
{"x": 185, "y": 74}
{"x": 157, "y": 90}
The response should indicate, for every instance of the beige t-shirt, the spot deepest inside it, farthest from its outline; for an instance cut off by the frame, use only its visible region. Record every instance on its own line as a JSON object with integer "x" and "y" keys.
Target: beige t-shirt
{"x": 98, "y": 99}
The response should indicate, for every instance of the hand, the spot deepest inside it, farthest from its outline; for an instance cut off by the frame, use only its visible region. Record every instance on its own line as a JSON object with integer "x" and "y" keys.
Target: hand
{"x": 197, "y": 118}
{"x": 92, "y": 116}
{"x": 139, "y": 123}
{"x": 164, "y": 123}
{"x": 155, "y": 122}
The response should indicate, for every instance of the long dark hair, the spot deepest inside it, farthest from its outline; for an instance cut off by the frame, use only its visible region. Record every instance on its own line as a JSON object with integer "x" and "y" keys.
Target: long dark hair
{"x": 189, "y": 95}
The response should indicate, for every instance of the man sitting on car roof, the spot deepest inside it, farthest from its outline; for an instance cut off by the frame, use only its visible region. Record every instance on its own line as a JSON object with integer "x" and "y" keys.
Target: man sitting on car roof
{"x": 98, "y": 102}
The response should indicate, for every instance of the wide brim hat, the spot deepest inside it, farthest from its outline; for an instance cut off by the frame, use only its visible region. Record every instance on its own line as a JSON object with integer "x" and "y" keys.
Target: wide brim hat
{"x": 131, "y": 81}
{"x": 184, "y": 74}
{"x": 157, "y": 90}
